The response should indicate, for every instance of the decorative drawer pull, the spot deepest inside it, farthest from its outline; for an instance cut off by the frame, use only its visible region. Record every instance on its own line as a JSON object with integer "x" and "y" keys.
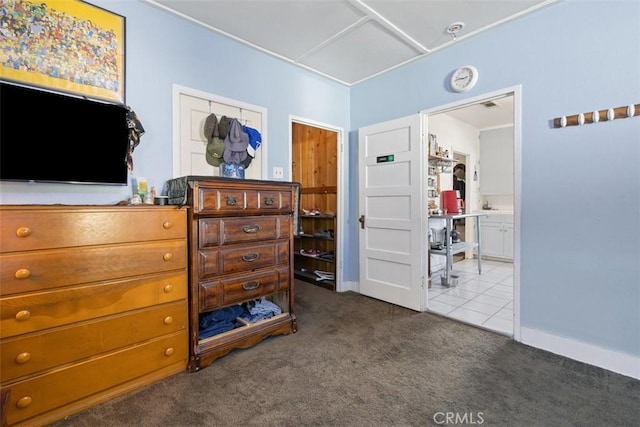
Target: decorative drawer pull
{"x": 232, "y": 200}
{"x": 23, "y": 273}
{"x": 250, "y": 257}
{"x": 250, "y": 286}
{"x": 23, "y": 402}
{"x": 269, "y": 200}
{"x": 167, "y": 225}
{"x": 168, "y": 256}
{"x": 254, "y": 228}
{"x": 23, "y": 232}
{"x": 168, "y": 288}
{"x": 168, "y": 320}
{"x": 23, "y": 315}
{"x": 169, "y": 351}
{"x": 23, "y": 358}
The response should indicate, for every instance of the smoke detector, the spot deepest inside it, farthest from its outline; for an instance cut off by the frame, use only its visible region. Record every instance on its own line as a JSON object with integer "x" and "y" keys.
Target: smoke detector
{"x": 454, "y": 28}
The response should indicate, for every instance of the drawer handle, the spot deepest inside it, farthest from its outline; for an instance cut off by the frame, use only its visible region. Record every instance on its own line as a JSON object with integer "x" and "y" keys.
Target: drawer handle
{"x": 23, "y": 402}
{"x": 168, "y": 320}
{"x": 232, "y": 200}
{"x": 23, "y": 358}
{"x": 250, "y": 257}
{"x": 254, "y": 228}
{"x": 269, "y": 200}
{"x": 169, "y": 351}
{"x": 168, "y": 256}
{"x": 23, "y": 232}
{"x": 23, "y": 273}
{"x": 23, "y": 315}
{"x": 167, "y": 225}
{"x": 250, "y": 286}
{"x": 168, "y": 288}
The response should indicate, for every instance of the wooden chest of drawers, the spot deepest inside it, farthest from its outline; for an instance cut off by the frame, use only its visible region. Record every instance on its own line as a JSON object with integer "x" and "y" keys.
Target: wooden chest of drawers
{"x": 240, "y": 248}
{"x": 93, "y": 304}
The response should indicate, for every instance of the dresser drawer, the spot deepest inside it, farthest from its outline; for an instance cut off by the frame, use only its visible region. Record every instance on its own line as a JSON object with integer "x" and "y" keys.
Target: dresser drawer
{"x": 221, "y": 200}
{"x": 38, "y": 228}
{"x": 49, "y": 391}
{"x": 40, "y": 270}
{"x": 35, "y": 352}
{"x": 237, "y": 288}
{"x": 32, "y": 312}
{"x": 220, "y": 231}
{"x": 232, "y": 259}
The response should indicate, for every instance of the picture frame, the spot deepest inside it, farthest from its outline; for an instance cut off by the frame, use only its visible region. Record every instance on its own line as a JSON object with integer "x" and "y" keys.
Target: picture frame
{"x": 64, "y": 45}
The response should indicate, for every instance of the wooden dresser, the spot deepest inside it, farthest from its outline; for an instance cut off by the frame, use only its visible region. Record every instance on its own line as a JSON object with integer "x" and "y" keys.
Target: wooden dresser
{"x": 93, "y": 304}
{"x": 240, "y": 249}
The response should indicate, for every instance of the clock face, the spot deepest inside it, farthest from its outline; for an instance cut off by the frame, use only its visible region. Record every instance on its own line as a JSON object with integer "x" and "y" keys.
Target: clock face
{"x": 464, "y": 78}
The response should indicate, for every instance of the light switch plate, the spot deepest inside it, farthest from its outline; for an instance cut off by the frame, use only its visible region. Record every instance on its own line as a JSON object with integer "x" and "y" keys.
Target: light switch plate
{"x": 278, "y": 172}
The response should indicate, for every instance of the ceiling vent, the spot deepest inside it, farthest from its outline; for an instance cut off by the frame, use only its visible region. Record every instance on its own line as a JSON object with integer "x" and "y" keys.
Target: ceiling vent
{"x": 489, "y": 104}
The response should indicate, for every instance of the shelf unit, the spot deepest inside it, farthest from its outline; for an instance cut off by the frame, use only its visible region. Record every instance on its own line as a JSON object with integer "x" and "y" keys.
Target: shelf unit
{"x": 437, "y": 166}
{"x": 314, "y": 236}
{"x": 451, "y": 249}
{"x": 315, "y": 158}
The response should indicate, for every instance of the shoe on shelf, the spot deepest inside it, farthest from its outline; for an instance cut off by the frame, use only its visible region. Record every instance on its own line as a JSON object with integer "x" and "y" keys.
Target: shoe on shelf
{"x": 310, "y": 252}
{"x": 327, "y": 255}
{"x": 324, "y": 275}
{"x": 327, "y": 234}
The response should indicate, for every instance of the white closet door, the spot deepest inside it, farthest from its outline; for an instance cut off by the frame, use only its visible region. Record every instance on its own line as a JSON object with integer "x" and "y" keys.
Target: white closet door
{"x": 193, "y": 113}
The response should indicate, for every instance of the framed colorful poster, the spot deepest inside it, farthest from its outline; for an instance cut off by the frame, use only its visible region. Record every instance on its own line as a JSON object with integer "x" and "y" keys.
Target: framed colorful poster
{"x": 64, "y": 45}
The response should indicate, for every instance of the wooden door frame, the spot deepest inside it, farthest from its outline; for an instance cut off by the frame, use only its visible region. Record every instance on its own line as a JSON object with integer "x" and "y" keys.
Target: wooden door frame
{"x": 516, "y": 92}
{"x": 340, "y": 201}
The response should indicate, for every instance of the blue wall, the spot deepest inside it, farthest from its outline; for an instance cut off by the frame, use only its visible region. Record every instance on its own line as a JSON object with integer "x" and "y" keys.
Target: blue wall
{"x": 580, "y": 217}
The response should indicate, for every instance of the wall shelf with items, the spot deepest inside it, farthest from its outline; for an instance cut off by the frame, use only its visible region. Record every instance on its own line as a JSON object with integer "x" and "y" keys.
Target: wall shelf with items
{"x": 315, "y": 250}
{"x": 436, "y": 166}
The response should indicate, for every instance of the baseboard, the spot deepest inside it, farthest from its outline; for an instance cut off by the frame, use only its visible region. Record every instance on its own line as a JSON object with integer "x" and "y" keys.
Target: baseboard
{"x": 349, "y": 286}
{"x": 614, "y": 361}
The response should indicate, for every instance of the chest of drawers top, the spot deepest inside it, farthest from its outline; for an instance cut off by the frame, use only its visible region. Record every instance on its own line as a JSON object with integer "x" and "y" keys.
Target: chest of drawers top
{"x": 226, "y": 196}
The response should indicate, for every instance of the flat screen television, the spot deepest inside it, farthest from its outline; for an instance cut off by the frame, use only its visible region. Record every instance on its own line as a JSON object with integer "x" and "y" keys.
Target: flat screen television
{"x": 52, "y": 137}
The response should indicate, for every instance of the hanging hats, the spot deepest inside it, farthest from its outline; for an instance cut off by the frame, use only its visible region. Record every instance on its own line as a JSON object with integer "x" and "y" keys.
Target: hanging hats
{"x": 215, "y": 145}
{"x": 255, "y": 140}
{"x": 235, "y": 143}
{"x": 223, "y": 126}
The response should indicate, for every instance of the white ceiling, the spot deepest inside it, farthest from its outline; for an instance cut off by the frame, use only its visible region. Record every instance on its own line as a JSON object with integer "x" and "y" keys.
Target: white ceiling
{"x": 483, "y": 116}
{"x": 349, "y": 40}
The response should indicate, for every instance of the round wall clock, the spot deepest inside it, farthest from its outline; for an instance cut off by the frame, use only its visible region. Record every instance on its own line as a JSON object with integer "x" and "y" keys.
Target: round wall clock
{"x": 464, "y": 78}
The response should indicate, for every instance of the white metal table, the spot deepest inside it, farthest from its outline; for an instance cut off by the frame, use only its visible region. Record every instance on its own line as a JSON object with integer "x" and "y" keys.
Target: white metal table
{"x": 451, "y": 248}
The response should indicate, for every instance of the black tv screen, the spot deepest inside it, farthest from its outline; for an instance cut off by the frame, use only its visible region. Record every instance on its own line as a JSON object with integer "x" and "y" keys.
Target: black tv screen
{"x": 51, "y": 137}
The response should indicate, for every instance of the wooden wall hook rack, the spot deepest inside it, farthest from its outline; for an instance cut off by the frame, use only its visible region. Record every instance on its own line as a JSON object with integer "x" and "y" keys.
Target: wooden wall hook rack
{"x": 597, "y": 116}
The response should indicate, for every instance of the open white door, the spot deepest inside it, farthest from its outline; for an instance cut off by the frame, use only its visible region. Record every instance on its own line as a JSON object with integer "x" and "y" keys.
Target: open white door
{"x": 392, "y": 213}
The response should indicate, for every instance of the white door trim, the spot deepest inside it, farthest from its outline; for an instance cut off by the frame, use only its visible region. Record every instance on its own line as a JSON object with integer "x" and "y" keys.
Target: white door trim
{"x": 178, "y": 90}
{"x": 516, "y": 91}
{"x": 340, "y": 199}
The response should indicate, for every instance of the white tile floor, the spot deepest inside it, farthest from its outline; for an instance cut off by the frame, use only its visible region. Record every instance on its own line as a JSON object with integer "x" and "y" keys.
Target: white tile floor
{"x": 484, "y": 300}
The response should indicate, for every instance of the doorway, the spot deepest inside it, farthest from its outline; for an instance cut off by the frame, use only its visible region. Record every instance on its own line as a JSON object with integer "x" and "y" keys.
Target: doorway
{"x": 489, "y": 299}
{"x": 316, "y": 153}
